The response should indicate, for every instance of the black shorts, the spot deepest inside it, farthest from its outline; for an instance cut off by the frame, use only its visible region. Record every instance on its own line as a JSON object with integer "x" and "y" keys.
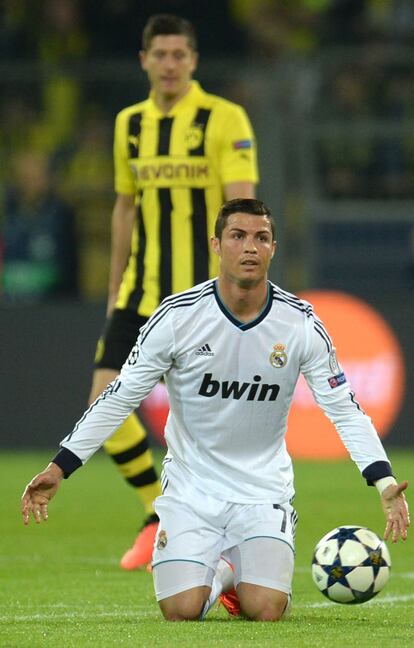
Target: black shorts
{"x": 118, "y": 337}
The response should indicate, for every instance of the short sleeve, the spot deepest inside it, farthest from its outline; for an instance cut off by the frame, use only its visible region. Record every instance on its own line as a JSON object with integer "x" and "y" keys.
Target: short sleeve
{"x": 124, "y": 179}
{"x": 238, "y": 154}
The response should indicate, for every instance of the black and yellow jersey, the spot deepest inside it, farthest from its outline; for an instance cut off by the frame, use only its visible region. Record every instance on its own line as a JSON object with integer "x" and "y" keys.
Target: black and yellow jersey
{"x": 177, "y": 166}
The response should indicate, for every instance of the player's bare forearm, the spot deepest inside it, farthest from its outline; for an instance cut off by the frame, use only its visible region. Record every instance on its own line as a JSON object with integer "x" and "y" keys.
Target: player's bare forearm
{"x": 123, "y": 215}
{"x": 396, "y": 511}
{"x": 239, "y": 190}
{"x": 38, "y": 493}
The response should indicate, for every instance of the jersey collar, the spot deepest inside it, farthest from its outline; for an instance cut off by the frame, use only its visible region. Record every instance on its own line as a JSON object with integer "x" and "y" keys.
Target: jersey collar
{"x": 243, "y": 326}
{"x": 190, "y": 99}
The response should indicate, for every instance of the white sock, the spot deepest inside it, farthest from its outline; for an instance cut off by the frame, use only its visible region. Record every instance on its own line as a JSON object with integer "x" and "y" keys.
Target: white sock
{"x": 222, "y": 582}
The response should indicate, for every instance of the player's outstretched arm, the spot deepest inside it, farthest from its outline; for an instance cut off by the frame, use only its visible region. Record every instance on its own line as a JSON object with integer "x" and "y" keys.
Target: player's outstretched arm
{"x": 39, "y": 492}
{"x": 396, "y": 511}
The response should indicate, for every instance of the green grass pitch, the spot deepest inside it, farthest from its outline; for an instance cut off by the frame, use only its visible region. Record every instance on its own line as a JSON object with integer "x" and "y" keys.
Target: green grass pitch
{"x": 60, "y": 584}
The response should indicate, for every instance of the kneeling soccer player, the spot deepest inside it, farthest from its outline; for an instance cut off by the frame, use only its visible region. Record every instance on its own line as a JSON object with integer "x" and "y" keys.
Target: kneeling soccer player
{"x": 230, "y": 350}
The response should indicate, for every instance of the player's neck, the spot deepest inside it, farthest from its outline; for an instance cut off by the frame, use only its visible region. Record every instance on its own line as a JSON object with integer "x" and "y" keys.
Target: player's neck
{"x": 165, "y": 103}
{"x": 244, "y": 302}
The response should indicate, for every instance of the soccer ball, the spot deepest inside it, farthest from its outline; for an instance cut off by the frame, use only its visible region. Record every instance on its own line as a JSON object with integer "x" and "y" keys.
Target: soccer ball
{"x": 351, "y": 564}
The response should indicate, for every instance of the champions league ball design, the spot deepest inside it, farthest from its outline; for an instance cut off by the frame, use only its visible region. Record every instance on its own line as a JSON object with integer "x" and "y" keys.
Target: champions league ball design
{"x": 351, "y": 564}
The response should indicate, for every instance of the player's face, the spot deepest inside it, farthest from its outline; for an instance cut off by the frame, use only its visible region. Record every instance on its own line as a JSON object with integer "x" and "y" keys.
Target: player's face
{"x": 169, "y": 63}
{"x": 246, "y": 249}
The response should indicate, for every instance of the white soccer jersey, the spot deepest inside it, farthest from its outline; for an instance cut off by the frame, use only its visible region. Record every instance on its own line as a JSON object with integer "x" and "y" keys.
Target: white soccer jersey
{"x": 230, "y": 386}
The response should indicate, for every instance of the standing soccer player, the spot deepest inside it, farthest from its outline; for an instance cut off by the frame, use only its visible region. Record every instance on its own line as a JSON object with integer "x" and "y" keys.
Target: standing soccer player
{"x": 177, "y": 155}
{"x": 230, "y": 350}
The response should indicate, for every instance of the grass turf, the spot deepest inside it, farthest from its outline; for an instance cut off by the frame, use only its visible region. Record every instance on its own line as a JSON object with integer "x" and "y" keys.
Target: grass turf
{"x": 60, "y": 583}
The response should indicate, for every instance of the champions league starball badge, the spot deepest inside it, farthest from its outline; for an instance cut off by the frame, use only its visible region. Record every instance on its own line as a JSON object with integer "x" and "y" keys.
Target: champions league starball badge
{"x": 133, "y": 355}
{"x": 278, "y": 357}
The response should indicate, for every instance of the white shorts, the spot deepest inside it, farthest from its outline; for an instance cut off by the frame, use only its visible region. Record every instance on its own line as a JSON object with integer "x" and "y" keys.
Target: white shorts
{"x": 258, "y": 539}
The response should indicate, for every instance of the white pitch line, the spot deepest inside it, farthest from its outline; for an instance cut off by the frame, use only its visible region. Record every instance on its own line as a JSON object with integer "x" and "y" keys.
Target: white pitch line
{"x": 75, "y": 560}
{"x": 410, "y": 574}
{"x": 384, "y": 600}
{"x": 73, "y": 606}
{"x": 77, "y": 616}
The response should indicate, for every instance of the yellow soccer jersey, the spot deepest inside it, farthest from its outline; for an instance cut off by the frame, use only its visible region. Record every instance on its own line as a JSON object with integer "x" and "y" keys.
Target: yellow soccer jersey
{"x": 177, "y": 165}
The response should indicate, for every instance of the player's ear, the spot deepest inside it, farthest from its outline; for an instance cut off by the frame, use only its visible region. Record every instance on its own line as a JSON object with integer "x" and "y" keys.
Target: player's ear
{"x": 274, "y": 245}
{"x": 194, "y": 62}
{"x": 143, "y": 59}
{"x": 215, "y": 245}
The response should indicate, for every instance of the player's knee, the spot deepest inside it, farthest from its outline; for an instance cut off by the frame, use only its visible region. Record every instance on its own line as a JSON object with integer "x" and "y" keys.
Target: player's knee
{"x": 268, "y": 612}
{"x": 182, "y": 607}
{"x": 181, "y": 615}
{"x": 265, "y": 606}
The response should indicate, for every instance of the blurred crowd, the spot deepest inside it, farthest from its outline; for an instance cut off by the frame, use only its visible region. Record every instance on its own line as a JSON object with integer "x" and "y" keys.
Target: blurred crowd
{"x": 68, "y": 30}
{"x": 68, "y": 66}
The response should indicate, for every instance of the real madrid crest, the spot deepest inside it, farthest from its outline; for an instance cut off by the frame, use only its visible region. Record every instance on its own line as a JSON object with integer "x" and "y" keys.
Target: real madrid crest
{"x": 278, "y": 357}
{"x": 162, "y": 539}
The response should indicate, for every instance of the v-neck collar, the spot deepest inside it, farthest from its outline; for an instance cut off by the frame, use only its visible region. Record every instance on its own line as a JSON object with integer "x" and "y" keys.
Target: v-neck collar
{"x": 191, "y": 97}
{"x": 243, "y": 326}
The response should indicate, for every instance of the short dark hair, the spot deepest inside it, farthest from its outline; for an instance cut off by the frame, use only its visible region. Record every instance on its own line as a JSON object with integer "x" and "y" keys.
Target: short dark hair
{"x": 166, "y": 24}
{"x": 244, "y": 206}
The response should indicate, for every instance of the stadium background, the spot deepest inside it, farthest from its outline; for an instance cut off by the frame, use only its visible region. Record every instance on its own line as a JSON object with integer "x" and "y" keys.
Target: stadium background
{"x": 329, "y": 86}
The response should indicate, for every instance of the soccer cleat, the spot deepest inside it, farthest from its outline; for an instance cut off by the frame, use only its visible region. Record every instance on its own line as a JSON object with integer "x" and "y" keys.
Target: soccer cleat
{"x": 140, "y": 554}
{"x": 231, "y": 602}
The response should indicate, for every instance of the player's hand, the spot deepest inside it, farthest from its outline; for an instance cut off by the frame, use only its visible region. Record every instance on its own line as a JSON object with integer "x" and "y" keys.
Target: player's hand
{"x": 396, "y": 511}
{"x": 39, "y": 492}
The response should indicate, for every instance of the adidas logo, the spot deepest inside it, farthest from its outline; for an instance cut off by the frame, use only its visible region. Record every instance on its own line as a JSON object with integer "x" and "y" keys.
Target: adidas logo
{"x": 205, "y": 350}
